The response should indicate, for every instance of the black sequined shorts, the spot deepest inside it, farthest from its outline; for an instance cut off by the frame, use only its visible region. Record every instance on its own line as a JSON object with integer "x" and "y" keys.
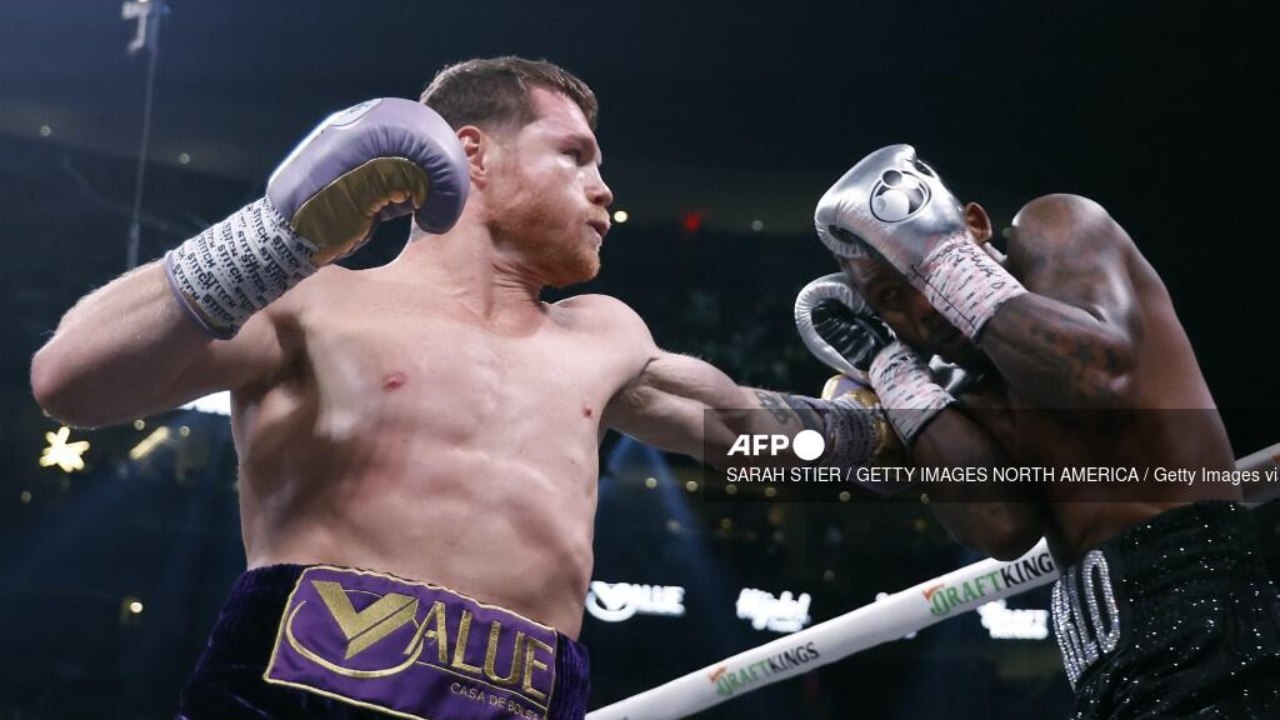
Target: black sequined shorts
{"x": 1176, "y": 618}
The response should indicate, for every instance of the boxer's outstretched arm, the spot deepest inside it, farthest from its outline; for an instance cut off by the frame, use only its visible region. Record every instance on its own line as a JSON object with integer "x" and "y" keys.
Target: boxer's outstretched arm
{"x": 128, "y": 350}
{"x": 666, "y": 406}
{"x": 1070, "y": 341}
{"x": 665, "y": 403}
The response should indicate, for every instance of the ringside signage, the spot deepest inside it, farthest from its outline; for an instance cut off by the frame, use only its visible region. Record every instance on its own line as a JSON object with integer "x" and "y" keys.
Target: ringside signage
{"x": 785, "y": 613}
{"x": 616, "y": 602}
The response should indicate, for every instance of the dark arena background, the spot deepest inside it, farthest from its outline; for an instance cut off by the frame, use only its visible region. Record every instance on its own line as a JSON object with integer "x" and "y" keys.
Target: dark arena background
{"x": 721, "y": 124}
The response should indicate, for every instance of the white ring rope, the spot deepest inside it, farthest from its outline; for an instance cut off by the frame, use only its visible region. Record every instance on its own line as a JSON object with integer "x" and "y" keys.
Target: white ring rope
{"x": 893, "y": 617}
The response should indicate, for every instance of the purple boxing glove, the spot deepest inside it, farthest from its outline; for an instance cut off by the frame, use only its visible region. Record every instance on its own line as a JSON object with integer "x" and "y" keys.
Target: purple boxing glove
{"x": 375, "y": 161}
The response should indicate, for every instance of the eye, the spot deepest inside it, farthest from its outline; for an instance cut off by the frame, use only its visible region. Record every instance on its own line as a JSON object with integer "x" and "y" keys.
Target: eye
{"x": 888, "y": 296}
{"x": 575, "y": 153}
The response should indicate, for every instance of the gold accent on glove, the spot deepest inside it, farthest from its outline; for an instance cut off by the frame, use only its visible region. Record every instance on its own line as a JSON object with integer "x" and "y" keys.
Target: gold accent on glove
{"x": 338, "y": 218}
{"x": 889, "y": 448}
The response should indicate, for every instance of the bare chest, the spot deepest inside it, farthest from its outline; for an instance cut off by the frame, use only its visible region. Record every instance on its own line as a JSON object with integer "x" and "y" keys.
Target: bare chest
{"x": 458, "y": 379}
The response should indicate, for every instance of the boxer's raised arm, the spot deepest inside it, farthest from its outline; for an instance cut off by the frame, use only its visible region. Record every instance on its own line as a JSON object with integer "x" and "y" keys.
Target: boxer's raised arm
{"x": 128, "y": 350}
{"x": 169, "y": 331}
{"x": 1060, "y": 320}
{"x": 1071, "y": 341}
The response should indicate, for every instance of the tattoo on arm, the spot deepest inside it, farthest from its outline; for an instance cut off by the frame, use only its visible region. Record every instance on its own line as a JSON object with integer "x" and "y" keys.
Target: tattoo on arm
{"x": 773, "y": 403}
{"x": 1068, "y": 344}
{"x": 788, "y": 408}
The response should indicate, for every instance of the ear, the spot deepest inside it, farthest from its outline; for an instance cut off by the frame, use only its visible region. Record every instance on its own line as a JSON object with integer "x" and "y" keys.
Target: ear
{"x": 475, "y": 144}
{"x": 978, "y": 222}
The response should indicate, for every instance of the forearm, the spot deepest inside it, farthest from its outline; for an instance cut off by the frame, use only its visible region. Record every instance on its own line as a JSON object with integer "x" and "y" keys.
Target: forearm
{"x": 685, "y": 405}
{"x": 1001, "y": 520}
{"x": 1057, "y": 355}
{"x": 719, "y": 411}
{"x": 115, "y": 351}
{"x": 854, "y": 430}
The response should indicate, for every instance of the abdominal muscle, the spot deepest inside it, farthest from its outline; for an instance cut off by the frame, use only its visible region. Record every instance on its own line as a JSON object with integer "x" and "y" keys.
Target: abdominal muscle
{"x": 428, "y": 474}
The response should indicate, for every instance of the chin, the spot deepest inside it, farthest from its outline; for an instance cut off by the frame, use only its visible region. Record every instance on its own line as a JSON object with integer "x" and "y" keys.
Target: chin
{"x": 575, "y": 269}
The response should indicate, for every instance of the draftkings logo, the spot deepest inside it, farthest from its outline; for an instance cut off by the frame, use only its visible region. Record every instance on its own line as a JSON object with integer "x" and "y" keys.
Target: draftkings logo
{"x": 944, "y": 597}
{"x": 729, "y": 680}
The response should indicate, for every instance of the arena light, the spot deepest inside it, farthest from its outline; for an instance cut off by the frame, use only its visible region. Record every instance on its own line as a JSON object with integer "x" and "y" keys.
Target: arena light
{"x": 149, "y": 443}
{"x": 69, "y": 456}
{"x": 620, "y": 216}
{"x": 691, "y": 220}
{"x": 147, "y": 14}
{"x": 130, "y": 610}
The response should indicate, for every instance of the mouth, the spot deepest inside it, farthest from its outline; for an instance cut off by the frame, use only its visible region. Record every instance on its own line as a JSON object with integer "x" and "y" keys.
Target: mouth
{"x": 601, "y": 227}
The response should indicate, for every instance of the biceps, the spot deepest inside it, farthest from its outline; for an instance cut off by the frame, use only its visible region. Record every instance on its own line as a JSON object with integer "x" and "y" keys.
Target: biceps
{"x": 670, "y": 402}
{"x": 663, "y": 420}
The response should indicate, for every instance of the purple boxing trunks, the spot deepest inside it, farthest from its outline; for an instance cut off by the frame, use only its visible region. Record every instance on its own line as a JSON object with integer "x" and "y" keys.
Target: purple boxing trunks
{"x": 298, "y": 641}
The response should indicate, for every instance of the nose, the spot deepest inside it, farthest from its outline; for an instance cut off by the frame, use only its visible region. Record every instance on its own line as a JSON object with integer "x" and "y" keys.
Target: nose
{"x": 598, "y": 192}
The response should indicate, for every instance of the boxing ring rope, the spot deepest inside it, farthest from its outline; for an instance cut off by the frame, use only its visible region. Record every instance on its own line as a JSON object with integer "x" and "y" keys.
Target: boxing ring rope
{"x": 893, "y": 617}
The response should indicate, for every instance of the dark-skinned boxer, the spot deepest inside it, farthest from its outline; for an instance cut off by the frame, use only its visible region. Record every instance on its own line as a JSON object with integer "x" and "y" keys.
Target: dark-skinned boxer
{"x": 1075, "y": 356}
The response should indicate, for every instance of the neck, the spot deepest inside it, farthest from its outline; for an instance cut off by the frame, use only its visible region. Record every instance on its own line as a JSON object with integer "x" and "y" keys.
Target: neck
{"x": 465, "y": 264}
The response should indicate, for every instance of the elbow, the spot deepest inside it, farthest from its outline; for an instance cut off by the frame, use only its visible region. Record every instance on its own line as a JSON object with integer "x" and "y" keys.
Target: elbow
{"x": 1113, "y": 381}
{"x": 1104, "y": 390}
{"x": 46, "y": 382}
{"x": 53, "y": 390}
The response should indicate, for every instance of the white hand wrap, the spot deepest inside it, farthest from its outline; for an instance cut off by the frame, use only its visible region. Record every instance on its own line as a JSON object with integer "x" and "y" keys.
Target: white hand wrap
{"x": 908, "y": 394}
{"x": 237, "y": 267}
{"x": 966, "y": 285}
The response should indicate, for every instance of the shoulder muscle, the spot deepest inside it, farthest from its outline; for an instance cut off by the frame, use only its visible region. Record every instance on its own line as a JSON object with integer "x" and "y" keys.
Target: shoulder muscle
{"x": 1068, "y": 248}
